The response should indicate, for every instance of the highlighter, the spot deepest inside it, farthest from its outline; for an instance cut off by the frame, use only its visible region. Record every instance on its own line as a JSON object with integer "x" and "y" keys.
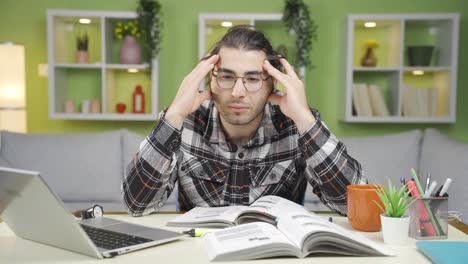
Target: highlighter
{"x": 198, "y": 232}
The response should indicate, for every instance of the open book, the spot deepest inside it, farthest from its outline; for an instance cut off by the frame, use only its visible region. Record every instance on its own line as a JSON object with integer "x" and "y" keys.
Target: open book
{"x": 273, "y": 226}
{"x": 265, "y": 209}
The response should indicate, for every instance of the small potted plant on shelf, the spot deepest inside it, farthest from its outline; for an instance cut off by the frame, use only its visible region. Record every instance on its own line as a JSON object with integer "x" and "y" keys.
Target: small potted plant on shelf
{"x": 82, "y": 53}
{"x": 129, "y": 31}
{"x": 369, "y": 59}
{"x": 395, "y": 224}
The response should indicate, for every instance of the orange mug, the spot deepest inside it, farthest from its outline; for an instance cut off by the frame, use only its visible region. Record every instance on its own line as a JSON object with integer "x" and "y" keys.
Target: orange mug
{"x": 363, "y": 213}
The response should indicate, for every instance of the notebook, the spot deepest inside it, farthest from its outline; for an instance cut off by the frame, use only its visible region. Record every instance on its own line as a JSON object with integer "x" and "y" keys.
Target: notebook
{"x": 444, "y": 252}
{"x": 34, "y": 212}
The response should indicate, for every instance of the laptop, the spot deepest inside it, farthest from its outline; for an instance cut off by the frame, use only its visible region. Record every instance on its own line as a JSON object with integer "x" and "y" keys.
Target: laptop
{"x": 34, "y": 212}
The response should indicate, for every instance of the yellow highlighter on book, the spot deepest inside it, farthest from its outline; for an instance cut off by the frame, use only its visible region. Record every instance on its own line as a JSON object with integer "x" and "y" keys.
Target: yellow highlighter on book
{"x": 198, "y": 232}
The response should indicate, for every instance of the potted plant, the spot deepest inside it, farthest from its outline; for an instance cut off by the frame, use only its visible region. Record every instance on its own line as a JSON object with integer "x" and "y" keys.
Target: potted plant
{"x": 129, "y": 31}
{"x": 82, "y": 53}
{"x": 296, "y": 17}
{"x": 395, "y": 224}
{"x": 151, "y": 24}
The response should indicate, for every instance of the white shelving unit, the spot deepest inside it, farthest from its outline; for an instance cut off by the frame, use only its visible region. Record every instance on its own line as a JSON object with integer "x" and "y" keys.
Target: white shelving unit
{"x": 393, "y": 74}
{"x": 209, "y": 27}
{"x": 104, "y": 78}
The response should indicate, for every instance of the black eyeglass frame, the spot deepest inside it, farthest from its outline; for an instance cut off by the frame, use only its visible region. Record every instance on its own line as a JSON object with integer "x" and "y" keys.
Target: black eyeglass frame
{"x": 243, "y": 81}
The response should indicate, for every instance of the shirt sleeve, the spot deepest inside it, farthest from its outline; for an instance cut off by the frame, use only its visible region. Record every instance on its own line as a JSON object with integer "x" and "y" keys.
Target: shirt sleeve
{"x": 330, "y": 169}
{"x": 152, "y": 173}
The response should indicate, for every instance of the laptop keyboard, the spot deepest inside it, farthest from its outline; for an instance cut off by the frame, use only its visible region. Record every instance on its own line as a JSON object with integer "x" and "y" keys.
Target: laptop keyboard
{"x": 111, "y": 240}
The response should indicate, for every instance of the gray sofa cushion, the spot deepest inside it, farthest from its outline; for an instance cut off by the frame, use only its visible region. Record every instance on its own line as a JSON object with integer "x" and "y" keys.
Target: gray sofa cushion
{"x": 381, "y": 157}
{"x": 78, "y": 167}
{"x": 446, "y": 158}
{"x": 391, "y": 156}
{"x": 131, "y": 143}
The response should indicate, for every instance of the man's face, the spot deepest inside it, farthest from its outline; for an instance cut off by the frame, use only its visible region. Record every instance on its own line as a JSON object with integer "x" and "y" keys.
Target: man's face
{"x": 237, "y": 106}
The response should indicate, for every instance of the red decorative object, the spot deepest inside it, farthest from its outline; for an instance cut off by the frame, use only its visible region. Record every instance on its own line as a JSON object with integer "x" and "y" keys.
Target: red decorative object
{"x": 120, "y": 108}
{"x": 138, "y": 100}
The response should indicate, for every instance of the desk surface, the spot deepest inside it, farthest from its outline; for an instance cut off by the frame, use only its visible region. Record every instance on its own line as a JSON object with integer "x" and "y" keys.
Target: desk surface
{"x": 188, "y": 250}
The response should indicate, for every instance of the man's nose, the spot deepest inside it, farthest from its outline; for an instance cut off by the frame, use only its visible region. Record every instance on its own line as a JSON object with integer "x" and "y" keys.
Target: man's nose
{"x": 238, "y": 90}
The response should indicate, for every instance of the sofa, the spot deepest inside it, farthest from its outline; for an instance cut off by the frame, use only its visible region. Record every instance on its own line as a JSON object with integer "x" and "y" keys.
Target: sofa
{"x": 84, "y": 169}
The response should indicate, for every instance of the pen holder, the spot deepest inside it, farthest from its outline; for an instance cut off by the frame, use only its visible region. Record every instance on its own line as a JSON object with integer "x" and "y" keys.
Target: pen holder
{"x": 429, "y": 218}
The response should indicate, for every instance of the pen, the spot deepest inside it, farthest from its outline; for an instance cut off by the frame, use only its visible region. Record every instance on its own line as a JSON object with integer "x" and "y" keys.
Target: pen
{"x": 198, "y": 232}
{"x": 445, "y": 187}
{"x": 428, "y": 181}
{"x": 330, "y": 219}
{"x": 430, "y": 190}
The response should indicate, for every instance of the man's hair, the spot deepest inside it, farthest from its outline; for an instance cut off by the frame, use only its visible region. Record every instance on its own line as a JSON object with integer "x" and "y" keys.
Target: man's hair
{"x": 245, "y": 37}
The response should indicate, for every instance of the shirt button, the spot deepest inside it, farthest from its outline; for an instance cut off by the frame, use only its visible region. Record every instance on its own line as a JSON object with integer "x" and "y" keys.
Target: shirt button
{"x": 240, "y": 155}
{"x": 272, "y": 176}
{"x": 234, "y": 148}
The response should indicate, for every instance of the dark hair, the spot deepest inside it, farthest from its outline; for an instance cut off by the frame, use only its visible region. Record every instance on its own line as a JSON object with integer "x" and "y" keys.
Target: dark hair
{"x": 246, "y": 37}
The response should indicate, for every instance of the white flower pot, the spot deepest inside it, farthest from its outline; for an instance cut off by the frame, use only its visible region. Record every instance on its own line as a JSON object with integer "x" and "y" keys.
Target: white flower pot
{"x": 394, "y": 229}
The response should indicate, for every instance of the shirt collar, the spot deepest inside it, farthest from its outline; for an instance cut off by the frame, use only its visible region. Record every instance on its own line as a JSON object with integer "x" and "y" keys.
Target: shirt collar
{"x": 264, "y": 133}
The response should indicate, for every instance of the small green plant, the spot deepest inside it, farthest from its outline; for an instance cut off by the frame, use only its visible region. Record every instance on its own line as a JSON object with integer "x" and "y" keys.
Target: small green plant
{"x": 82, "y": 42}
{"x": 395, "y": 201}
{"x": 127, "y": 28}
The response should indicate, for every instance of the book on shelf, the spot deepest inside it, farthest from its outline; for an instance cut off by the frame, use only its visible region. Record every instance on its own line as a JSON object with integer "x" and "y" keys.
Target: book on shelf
{"x": 377, "y": 101}
{"x": 361, "y": 99}
{"x": 419, "y": 101}
{"x": 273, "y": 226}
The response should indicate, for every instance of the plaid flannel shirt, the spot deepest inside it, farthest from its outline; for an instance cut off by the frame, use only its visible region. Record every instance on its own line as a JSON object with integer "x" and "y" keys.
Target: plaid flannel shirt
{"x": 213, "y": 172}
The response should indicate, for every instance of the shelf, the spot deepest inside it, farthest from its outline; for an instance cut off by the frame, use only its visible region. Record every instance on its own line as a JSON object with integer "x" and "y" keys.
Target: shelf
{"x": 104, "y": 81}
{"x": 78, "y": 66}
{"x": 397, "y": 119}
{"x": 376, "y": 69}
{"x": 144, "y": 66}
{"x": 423, "y": 93}
{"x": 108, "y": 116}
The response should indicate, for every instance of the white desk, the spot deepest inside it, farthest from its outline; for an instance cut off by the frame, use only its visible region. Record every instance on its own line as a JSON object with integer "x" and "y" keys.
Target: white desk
{"x": 188, "y": 250}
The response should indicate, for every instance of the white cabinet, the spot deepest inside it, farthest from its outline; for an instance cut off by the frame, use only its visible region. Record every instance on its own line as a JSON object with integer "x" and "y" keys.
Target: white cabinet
{"x": 102, "y": 80}
{"x": 415, "y": 77}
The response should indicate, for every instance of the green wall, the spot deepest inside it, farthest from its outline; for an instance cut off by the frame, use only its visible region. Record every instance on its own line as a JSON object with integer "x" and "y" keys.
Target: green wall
{"x": 24, "y": 21}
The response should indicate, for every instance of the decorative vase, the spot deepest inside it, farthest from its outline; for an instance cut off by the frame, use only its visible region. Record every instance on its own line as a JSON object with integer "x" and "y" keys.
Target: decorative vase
{"x": 130, "y": 52}
{"x": 395, "y": 229}
{"x": 420, "y": 55}
{"x": 369, "y": 59}
{"x": 82, "y": 56}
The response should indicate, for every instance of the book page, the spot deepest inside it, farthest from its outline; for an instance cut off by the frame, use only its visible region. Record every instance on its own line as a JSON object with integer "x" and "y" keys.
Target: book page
{"x": 305, "y": 230}
{"x": 208, "y": 216}
{"x": 269, "y": 209}
{"x": 249, "y": 241}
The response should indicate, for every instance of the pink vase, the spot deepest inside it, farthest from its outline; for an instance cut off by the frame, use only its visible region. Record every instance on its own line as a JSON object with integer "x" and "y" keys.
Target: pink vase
{"x": 130, "y": 52}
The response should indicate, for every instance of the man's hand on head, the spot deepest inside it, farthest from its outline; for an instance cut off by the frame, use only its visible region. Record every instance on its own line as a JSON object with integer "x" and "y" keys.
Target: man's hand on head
{"x": 293, "y": 103}
{"x": 188, "y": 98}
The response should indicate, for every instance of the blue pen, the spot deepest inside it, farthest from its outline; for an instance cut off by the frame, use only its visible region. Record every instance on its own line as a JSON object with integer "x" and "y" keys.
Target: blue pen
{"x": 330, "y": 219}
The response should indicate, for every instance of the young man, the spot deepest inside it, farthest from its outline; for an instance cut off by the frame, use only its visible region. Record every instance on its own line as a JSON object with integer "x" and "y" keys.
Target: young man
{"x": 239, "y": 140}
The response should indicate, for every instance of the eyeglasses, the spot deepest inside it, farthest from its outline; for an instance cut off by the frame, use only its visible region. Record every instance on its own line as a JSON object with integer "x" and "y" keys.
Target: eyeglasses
{"x": 252, "y": 82}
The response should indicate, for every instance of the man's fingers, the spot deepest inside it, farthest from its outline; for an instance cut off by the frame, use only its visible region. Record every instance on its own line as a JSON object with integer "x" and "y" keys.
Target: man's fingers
{"x": 274, "y": 72}
{"x": 203, "y": 68}
{"x": 289, "y": 69}
{"x": 205, "y": 95}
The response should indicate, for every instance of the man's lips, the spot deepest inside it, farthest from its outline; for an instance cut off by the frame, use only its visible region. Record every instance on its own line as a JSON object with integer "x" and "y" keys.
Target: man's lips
{"x": 238, "y": 107}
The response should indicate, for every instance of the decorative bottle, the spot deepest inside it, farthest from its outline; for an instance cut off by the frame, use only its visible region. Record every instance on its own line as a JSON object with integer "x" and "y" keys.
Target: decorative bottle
{"x": 138, "y": 100}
